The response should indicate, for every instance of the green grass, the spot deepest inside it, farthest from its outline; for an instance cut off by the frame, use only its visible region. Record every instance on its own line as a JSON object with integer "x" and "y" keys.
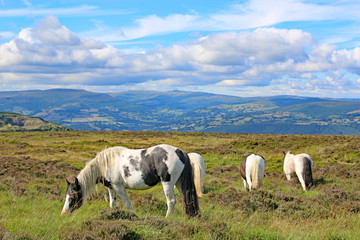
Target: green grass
{"x": 33, "y": 168}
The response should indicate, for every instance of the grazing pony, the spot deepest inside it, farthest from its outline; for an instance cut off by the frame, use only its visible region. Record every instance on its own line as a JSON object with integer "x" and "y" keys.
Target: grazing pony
{"x": 299, "y": 165}
{"x": 252, "y": 171}
{"x": 120, "y": 168}
{"x": 198, "y": 167}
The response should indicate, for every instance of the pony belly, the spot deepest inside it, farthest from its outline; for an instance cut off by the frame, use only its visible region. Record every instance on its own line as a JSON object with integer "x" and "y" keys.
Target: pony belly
{"x": 136, "y": 183}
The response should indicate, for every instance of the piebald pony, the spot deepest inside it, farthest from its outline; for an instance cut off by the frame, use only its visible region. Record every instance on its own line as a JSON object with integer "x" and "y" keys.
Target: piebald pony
{"x": 120, "y": 168}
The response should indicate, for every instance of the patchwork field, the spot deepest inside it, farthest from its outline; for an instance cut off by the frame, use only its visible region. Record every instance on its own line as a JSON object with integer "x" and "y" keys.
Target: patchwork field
{"x": 34, "y": 165}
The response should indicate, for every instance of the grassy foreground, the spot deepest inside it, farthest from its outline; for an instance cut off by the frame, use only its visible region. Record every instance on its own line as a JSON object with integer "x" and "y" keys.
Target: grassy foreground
{"x": 34, "y": 165}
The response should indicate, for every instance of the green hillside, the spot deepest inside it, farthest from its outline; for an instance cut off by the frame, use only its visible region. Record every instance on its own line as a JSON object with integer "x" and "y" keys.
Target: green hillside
{"x": 10, "y": 122}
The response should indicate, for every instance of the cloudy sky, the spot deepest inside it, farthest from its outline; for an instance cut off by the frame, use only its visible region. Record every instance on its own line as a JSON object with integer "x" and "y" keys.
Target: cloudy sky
{"x": 242, "y": 48}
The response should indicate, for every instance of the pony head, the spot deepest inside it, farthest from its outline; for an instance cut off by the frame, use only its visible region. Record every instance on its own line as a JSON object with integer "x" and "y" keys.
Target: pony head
{"x": 73, "y": 196}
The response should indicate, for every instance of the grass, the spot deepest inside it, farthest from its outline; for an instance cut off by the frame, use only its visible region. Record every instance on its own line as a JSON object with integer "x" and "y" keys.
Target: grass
{"x": 34, "y": 165}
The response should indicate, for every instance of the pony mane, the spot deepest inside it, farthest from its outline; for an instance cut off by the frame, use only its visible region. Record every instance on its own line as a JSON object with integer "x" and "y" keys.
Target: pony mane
{"x": 96, "y": 168}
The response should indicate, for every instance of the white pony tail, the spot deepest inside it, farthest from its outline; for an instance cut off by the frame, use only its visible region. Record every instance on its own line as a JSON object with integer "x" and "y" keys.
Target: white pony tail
{"x": 198, "y": 168}
{"x": 198, "y": 180}
{"x": 255, "y": 175}
{"x": 257, "y": 171}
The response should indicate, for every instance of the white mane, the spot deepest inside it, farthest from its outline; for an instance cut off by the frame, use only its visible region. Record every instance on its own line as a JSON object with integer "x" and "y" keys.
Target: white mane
{"x": 96, "y": 168}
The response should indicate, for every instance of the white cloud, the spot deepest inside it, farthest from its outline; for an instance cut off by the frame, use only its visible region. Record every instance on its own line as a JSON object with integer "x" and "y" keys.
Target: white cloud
{"x": 27, "y": 3}
{"x": 50, "y": 44}
{"x": 348, "y": 59}
{"x": 259, "y": 13}
{"x": 49, "y": 54}
{"x": 248, "y": 15}
{"x": 153, "y": 25}
{"x": 6, "y": 35}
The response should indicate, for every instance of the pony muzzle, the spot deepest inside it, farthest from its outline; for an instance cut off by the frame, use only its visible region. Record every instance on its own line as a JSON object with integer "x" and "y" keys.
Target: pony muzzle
{"x": 66, "y": 207}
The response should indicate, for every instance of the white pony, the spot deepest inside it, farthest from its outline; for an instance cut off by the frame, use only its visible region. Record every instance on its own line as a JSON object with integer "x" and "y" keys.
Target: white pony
{"x": 198, "y": 167}
{"x": 252, "y": 171}
{"x": 120, "y": 168}
{"x": 299, "y": 165}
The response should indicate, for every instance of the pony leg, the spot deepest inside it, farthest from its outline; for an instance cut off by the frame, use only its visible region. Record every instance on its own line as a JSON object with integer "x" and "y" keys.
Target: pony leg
{"x": 288, "y": 177}
{"x": 178, "y": 187}
{"x": 121, "y": 191}
{"x": 170, "y": 197}
{"x": 246, "y": 185}
{"x": 249, "y": 183}
{"x": 112, "y": 198}
{"x": 302, "y": 181}
{"x": 248, "y": 179}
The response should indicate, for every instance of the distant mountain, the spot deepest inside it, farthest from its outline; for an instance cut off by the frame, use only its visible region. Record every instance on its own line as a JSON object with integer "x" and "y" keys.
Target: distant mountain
{"x": 184, "y": 101}
{"x": 186, "y": 111}
{"x": 18, "y": 122}
{"x": 77, "y": 109}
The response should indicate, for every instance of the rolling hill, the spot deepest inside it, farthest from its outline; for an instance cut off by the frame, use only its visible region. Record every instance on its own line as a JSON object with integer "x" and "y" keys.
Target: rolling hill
{"x": 184, "y": 101}
{"x": 186, "y": 111}
{"x": 10, "y": 122}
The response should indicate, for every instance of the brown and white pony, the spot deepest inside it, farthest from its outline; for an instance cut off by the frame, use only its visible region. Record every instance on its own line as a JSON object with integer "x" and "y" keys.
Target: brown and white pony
{"x": 299, "y": 165}
{"x": 252, "y": 171}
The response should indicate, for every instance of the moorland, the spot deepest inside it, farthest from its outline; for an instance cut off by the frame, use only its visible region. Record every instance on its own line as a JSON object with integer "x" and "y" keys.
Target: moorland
{"x": 34, "y": 166}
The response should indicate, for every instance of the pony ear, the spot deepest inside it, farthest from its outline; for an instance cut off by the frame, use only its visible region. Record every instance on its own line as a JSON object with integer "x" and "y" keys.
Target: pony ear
{"x": 67, "y": 181}
{"x": 76, "y": 181}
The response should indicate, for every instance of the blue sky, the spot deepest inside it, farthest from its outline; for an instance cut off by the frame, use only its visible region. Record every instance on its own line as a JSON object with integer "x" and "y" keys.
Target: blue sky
{"x": 242, "y": 48}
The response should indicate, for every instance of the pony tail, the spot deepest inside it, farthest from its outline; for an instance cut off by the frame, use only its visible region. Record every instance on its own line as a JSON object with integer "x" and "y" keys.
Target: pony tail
{"x": 307, "y": 174}
{"x": 255, "y": 174}
{"x": 190, "y": 199}
{"x": 257, "y": 170}
{"x": 198, "y": 180}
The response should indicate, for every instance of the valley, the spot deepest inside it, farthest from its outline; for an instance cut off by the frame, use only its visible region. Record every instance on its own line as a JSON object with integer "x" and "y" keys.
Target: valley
{"x": 186, "y": 111}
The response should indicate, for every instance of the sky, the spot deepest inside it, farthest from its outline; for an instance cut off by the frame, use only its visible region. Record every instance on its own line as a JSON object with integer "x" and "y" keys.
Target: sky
{"x": 242, "y": 48}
